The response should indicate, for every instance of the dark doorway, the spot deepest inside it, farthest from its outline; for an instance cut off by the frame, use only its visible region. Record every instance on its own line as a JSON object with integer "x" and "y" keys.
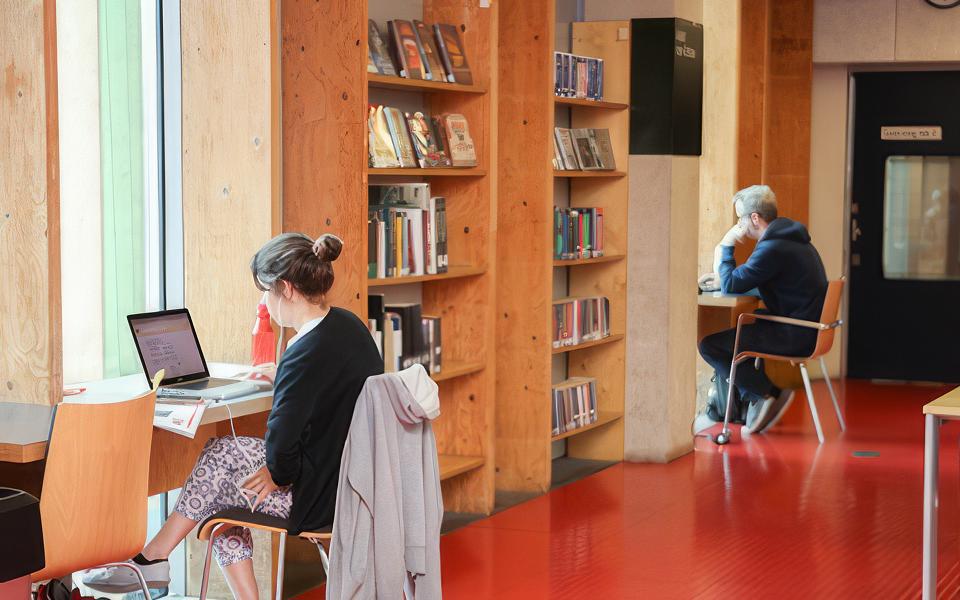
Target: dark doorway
{"x": 904, "y": 320}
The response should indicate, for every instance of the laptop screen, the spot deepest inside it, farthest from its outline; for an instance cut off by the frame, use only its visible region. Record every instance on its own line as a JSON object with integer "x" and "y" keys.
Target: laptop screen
{"x": 167, "y": 340}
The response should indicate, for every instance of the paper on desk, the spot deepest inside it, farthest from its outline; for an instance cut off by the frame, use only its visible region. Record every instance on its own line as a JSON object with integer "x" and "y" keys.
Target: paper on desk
{"x": 182, "y": 418}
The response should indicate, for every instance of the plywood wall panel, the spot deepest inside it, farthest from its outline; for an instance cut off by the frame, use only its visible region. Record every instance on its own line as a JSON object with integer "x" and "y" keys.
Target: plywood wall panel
{"x": 324, "y": 131}
{"x": 227, "y": 166}
{"x": 30, "y": 361}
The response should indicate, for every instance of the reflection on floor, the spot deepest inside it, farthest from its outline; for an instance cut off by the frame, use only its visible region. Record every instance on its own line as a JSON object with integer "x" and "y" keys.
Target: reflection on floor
{"x": 773, "y": 516}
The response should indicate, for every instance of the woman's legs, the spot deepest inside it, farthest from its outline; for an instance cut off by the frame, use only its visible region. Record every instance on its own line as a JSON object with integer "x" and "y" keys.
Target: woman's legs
{"x": 172, "y": 533}
{"x": 212, "y": 487}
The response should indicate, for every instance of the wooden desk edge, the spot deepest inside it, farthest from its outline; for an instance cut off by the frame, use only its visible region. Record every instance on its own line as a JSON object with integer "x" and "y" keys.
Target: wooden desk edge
{"x": 947, "y": 405}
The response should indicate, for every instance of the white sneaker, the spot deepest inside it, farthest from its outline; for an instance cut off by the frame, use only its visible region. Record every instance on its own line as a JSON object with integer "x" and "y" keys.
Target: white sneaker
{"x": 701, "y": 423}
{"x": 120, "y": 580}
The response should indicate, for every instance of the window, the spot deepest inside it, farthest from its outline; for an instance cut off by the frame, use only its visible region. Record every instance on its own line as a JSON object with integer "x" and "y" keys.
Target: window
{"x": 921, "y": 223}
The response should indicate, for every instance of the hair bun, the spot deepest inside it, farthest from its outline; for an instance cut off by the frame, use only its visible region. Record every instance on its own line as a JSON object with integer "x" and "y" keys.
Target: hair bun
{"x": 327, "y": 247}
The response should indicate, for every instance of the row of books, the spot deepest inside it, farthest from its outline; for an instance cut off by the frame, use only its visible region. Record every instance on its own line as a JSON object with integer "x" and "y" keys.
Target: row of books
{"x": 578, "y": 233}
{"x": 405, "y": 140}
{"x": 579, "y": 320}
{"x": 406, "y": 231}
{"x": 418, "y": 51}
{"x": 404, "y": 335}
{"x": 582, "y": 150}
{"x": 574, "y": 404}
{"x": 577, "y": 76}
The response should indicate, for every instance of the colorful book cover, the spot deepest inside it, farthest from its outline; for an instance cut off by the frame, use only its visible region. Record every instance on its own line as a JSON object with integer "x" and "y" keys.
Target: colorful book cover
{"x": 463, "y": 153}
{"x": 378, "y": 49}
{"x": 452, "y": 53}
{"x": 405, "y": 49}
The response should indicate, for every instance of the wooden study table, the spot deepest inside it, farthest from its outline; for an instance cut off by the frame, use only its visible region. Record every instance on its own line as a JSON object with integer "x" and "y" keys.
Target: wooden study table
{"x": 944, "y": 408}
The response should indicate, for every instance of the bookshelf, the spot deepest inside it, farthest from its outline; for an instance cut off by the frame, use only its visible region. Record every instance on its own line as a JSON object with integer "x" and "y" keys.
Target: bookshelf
{"x": 323, "y": 112}
{"x": 528, "y": 189}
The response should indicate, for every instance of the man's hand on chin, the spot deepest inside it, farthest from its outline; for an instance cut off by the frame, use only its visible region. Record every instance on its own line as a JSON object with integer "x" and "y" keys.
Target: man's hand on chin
{"x": 736, "y": 235}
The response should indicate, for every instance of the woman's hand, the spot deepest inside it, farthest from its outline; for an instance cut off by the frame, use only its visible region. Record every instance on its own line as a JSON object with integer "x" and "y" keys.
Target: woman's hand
{"x": 261, "y": 483}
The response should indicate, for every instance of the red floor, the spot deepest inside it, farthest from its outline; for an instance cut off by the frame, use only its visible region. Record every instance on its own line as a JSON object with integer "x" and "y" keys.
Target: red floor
{"x": 776, "y": 516}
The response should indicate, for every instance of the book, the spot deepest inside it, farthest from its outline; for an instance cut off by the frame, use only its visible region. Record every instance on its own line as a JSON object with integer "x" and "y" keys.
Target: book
{"x": 574, "y": 404}
{"x": 443, "y": 259}
{"x": 584, "y": 149}
{"x": 401, "y": 137}
{"x": 434, "y": 346}
{"x": 579, "y": 320}
{"x": 180, "y": 417}
{"x": 578, "y": 76}
{"x": 585, "y": 240}
{"x": 371, "y": 66}
{"x": 601, "y": 142}
{"x": 378, "y": 49}
{"x": 430, "y": 57}
{"x": 452, "y": 54}
{"x": 413, "y": 350}
{"x": 462, "y": 151}
{"x": 405, "y": 49}
{"x": 424, "y": 142}
{"x": 567, "y": 152}
{"x": 557, "y": 156}
{"x": 383, "y": 153}
{"x": 443, "y": 145}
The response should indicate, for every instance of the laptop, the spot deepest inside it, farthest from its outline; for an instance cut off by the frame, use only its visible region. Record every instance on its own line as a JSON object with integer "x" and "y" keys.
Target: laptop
{"x": 167, "y": 340}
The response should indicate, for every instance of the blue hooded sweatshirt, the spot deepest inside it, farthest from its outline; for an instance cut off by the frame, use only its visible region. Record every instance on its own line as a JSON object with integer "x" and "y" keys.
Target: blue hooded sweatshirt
{"x": 787, "y": 271}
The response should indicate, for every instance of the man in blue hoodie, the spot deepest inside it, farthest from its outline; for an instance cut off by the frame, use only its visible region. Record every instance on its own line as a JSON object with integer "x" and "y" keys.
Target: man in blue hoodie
{"x": 787, "y": 271}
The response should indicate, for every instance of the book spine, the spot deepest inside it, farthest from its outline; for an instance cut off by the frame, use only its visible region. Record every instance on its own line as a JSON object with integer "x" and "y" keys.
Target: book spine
{"x": 396, "y": 49}
{"x": 444, "y": 54}
{"x": 443, "y": 259}
{"x": 427, "y": 68}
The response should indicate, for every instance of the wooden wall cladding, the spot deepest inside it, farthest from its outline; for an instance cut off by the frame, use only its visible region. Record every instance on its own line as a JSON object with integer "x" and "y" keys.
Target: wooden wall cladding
{"x": 227, "y": 168}
{"x": 31, "y": 360}
{"x": 323, "y": 108}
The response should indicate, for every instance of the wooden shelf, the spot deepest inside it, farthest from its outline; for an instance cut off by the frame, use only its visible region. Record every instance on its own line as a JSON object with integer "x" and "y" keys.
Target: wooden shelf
{"x": 455, "y": 369}
{"x": 451, "y": 466}
{"x": 605, "y": 419}
{"x": 587, "y": 261}
{"x": 597, "y": 173}
{"x": 615, "y": 337}
{"x": 435, "y": 172}
{"x": 601, "y": 104}
{"x": 453, "y": 272}
{"x": 392, "y": 82}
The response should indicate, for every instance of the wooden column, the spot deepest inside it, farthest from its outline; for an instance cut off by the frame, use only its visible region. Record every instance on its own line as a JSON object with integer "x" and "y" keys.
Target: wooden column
{"x": 31, "y": 358}
{"x": 324, "y": 102}
{"x": 776, "y": 76}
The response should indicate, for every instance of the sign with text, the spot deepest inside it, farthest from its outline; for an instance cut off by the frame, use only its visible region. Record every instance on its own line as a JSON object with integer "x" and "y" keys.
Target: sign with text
{"x": 925, "y": 133}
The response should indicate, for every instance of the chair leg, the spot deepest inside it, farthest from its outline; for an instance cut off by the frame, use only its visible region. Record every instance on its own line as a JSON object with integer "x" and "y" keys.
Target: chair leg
{"x": 724, "y": 435}
{"x": 324, "y": 559}
{"x": 813, "y": 405}
{"x": 281, "y": 553}
{"x": 137, "y": 572}
{"x": 205, "y": 579}
{"x": 833, "y": 396}
{"x": 409, "y": 587}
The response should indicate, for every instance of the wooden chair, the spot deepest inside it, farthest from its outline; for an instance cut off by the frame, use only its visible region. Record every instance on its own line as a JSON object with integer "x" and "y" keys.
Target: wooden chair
{"x": 94, "y": 500}
{"x": 826, "y": 330}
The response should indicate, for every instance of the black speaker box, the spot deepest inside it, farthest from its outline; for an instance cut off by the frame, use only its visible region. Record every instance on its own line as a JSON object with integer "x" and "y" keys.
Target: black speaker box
{"x": 666, "y": 86}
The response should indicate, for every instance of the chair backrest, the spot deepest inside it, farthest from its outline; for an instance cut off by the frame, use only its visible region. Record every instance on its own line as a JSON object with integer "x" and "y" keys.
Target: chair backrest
{"x": 829, "y": 314}
{"x": 93, "y": 505}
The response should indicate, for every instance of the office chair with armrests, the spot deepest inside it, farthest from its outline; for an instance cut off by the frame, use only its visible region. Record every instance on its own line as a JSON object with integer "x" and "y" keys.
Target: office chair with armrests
{"x": 826, "y": 330}
{"x": 93, "y": 506}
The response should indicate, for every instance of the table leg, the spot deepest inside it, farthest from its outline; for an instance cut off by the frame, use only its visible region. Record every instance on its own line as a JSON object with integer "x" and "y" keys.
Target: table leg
{"x": 931, "y": 472}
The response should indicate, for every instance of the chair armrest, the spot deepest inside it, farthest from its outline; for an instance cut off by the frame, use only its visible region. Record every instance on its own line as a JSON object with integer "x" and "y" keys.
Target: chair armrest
{"x": 799, "y": 322}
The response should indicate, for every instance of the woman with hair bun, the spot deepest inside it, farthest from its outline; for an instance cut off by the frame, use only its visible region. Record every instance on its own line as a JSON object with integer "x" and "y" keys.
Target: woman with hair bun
{"x": 293, "y": 472}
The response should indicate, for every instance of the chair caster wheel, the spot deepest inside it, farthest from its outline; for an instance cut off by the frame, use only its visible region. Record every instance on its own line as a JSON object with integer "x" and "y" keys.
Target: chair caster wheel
{"x": 722, "y": 438}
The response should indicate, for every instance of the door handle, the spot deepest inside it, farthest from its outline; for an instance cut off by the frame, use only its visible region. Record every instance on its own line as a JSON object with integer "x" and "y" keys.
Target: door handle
{"x": 855, "y": 232}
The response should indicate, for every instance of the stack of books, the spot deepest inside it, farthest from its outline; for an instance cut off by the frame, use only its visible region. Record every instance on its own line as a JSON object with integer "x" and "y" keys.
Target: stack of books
{"x": 406, "y": 231}
{"x": 578, "y": 233}
{"x": 582, "y": 150}
{"x": 415, "y": 140}
{"x": 404, "y": 335}
{"x": 577, "y": 76}
{"x": 418, "y": 51}
{"x": 580, "y": 320}
{"x": 574, "y": 404}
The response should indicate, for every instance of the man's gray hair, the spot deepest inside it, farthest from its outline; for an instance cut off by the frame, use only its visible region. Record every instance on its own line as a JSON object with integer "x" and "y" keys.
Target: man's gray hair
{"x": 758, "y": 199}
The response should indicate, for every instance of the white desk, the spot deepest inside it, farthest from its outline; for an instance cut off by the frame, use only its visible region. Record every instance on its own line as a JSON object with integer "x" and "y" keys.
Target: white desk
{"x": 946, "y": 407}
